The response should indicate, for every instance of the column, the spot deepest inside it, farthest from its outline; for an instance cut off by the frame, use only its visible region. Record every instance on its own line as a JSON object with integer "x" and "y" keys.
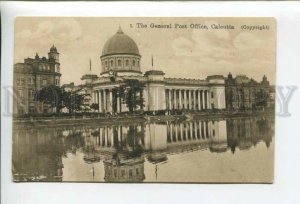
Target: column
{"x": 105, "y": 136}
{"x": 100, "y": 133}
{"x": 186, "y": 131}
{"x": 205, "y": 96}
{"x": 100, "y": 100}
{"x": 168, "y": 131}
{"x": 194, "y": 99}
{"x": 181, "y": 131}
{"x": 104, "y": 101}
{"x": 112, "y": 137}
{"x": 207, "y": 129}
{"x": 170, "y": 99}
{"x": 204, "y": 129}
{"x": 196, "y": 130}
{"x": 176, "y": 132}
{"x": 180, "y": 100}
{"x": 199, "y": 102}
{"x": 175, "y": 101}
{"x": 190, "y": 99}
{"x": 203, "y": 100}
{"x": 208, "y": 101}
{"x": 171, "y": 131}
{"x": 110, "y": 101}
{"x": 119, "y": 134}
{"x": 184, "y": 99}
{"x": 191, "y": 130}
{"x": 200, "y": 129}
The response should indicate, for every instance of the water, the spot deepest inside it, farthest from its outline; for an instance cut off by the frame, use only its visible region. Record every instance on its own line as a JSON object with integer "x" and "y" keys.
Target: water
{"x": 219, "y": 150}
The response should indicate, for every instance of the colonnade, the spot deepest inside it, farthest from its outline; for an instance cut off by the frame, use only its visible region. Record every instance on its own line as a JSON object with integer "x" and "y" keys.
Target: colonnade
{"x": 110, "y": 137}
{"x": 196, "y": 130}
{"x": 107, "y": 100}
{"x": 187, "y": 99}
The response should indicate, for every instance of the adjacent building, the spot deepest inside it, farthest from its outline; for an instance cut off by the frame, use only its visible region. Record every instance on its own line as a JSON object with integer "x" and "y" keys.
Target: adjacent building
{"x": 243, "y": 93}
{"x": 32, "y": 75}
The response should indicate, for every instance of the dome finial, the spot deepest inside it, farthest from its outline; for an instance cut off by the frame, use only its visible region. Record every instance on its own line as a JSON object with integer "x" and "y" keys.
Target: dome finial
{"x": 120, "y": 31}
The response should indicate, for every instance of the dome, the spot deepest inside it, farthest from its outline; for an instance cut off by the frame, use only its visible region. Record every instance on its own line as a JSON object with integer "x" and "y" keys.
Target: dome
{"x": 120, "y": 43}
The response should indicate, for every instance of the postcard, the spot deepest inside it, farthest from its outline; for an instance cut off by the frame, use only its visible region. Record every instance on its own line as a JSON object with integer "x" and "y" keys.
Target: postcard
{"x": 144, "y": 99}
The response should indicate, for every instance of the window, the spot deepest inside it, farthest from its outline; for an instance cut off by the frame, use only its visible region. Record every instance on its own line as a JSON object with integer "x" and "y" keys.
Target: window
{"x": 31, "y": 93}
{"x": 111, "y": 63}
{"x": 119, "y": 63}
{"x": 212, "y": 94}
{"x": 31, "y": 80}
{"x": 138, "y": 63}
{"x": 20, "y": 93}
{"x": 123, "y": 173}
{"x": 105, "y": 63}
{"x": 115, "y": 172}
{"x": 20, "y": 110}
{"x": 44, "y": 83}
{"x": 133, "y": 63}
{"x": 214, "y": 133}
{"x": 137, "y": 171}
{"x": 127, "y": 62}
{"x": 31, "y": 109}
{"x": 130, "y": 172}
{"x": 56, "y": 82}
{"x": 18, "y": 81}
{"x": 57, "y": 68}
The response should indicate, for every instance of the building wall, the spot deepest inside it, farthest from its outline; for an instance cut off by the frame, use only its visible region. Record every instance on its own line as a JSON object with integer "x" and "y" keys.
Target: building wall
{"x": 156, "y": 98}
{"x": 242, "y": 93}
{"x": 161, "y": 94}
{"x": 29, "y": 77}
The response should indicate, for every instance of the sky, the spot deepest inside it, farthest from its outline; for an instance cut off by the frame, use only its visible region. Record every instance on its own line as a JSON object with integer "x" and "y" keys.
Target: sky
{"x": 184, "y": 53}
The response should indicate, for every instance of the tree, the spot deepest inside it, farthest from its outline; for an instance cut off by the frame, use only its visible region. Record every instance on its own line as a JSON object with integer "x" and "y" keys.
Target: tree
{"x": 73, "y": 101}
{"x": 58, "y": 98}
{"x": 95, "y": 106}
{"x": 131, "y": 93}
{"x": 52, "y": 95}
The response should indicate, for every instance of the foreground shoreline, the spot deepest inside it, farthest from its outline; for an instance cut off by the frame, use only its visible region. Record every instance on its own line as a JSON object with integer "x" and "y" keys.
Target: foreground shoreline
{"x": 106, "y": 120}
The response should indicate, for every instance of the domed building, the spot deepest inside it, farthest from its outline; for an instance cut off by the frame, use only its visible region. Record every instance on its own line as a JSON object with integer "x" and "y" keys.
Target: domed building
{"x": 154, "y": 93}
{"x": 121, "y": 54}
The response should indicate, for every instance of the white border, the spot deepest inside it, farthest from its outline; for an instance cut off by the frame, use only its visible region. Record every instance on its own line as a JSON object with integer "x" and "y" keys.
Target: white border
{"x": 287, "y": 165}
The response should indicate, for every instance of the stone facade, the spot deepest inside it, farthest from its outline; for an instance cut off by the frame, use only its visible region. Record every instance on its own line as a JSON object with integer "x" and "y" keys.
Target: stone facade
{"x": 243, "y": 93}
{"x": 32, "y": 75}
{"x": 121, "y": 61}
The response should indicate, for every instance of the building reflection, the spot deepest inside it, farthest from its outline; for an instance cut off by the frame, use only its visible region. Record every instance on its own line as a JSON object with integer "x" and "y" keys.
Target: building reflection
{"x": 37, "y": 155}
{"x": 245, "y": 133}
{"x": 123, "y": 148}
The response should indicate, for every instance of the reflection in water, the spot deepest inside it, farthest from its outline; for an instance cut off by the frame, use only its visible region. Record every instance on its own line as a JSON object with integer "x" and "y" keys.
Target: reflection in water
{"x": 38, "y": 153}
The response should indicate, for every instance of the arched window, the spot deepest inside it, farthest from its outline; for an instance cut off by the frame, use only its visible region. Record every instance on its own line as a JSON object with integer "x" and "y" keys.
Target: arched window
{"x": 111, "y": 63}
{"x": 119, "y": 63}
{"x": 138, "y": 63}
{"x": 127, "y": 62}
{"x": 133, "y": 63}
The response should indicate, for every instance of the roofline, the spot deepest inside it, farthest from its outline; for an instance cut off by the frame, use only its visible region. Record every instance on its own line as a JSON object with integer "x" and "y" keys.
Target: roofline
{"x": 119, "y": 54}
{"x": 122, "y": 71}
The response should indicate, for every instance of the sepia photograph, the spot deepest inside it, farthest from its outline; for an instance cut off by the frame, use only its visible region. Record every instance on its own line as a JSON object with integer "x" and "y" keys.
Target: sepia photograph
{"x": 144, "y": 99}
